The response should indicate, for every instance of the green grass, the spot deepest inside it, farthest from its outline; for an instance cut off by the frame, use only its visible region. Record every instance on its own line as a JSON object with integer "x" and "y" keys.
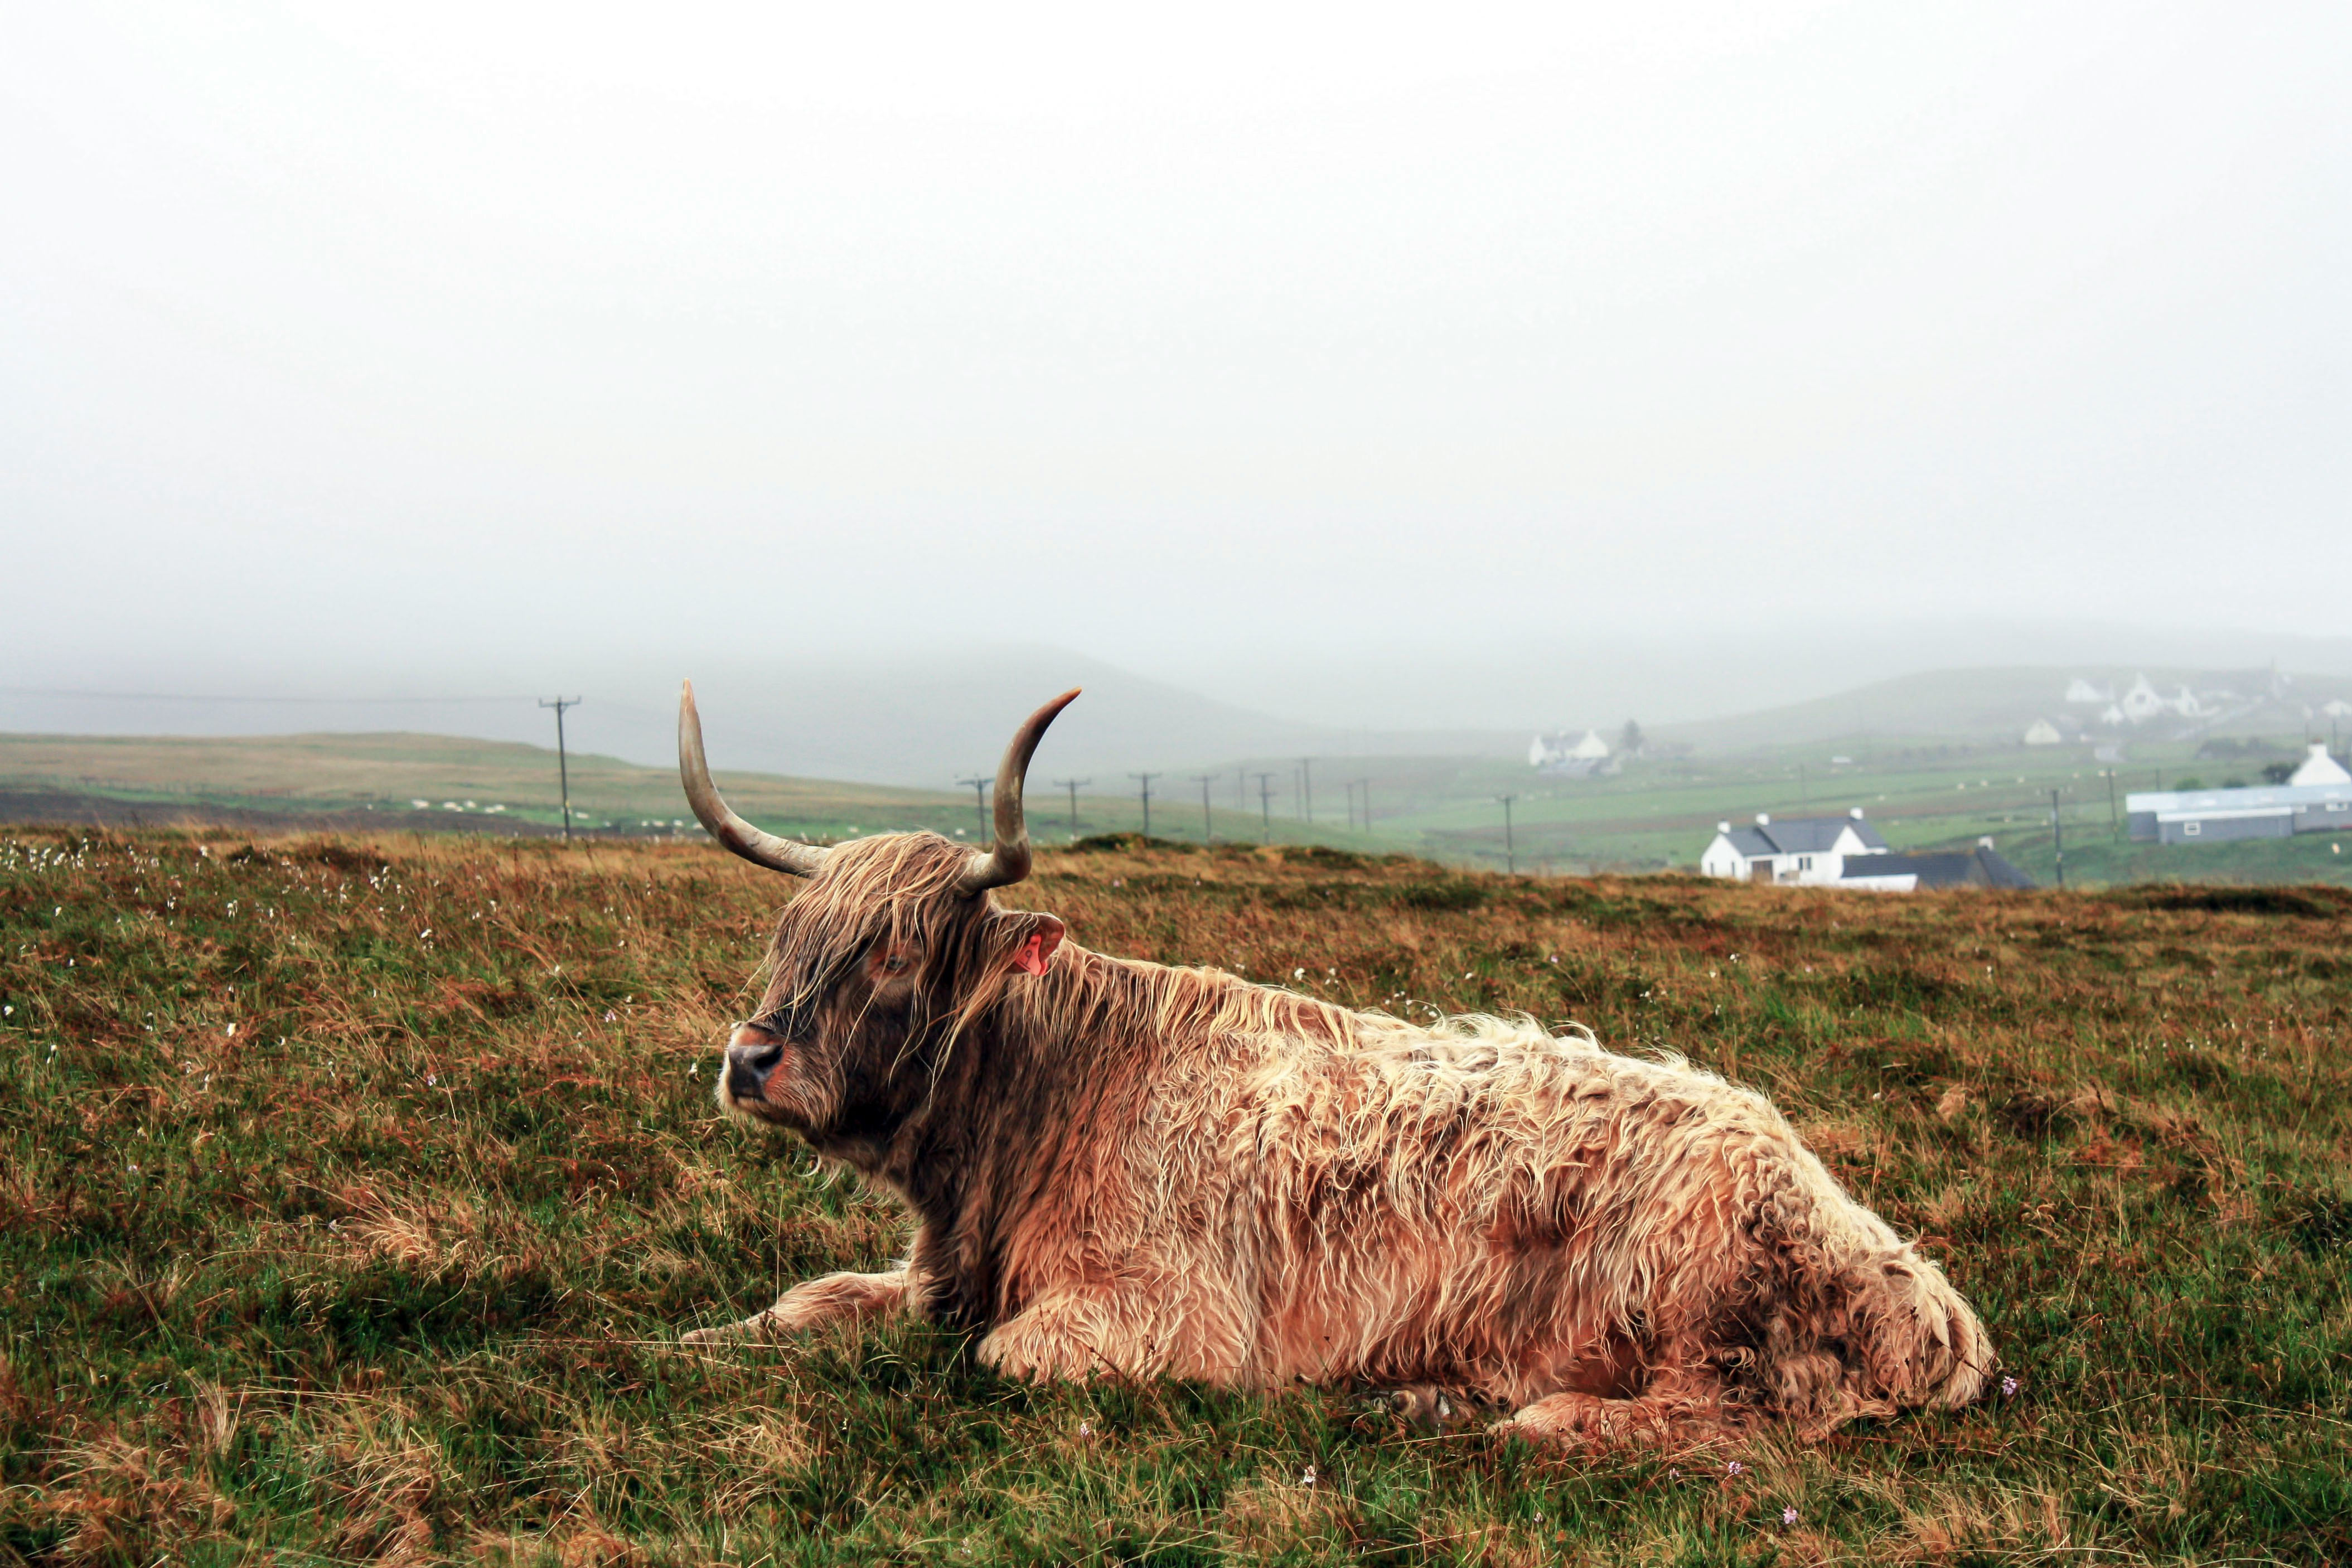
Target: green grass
{"x": 327, "y": 1239}
{"x": 1924, "y": 791}
{"x": 350, "y": 778}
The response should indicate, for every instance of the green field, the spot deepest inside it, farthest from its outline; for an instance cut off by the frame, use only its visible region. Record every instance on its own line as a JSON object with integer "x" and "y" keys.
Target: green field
{"x": 352, "y": 1192}
{"x": 1658, "y": 813}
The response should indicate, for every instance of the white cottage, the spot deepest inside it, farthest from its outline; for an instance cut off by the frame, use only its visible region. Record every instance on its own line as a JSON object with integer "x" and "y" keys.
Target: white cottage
{"x": 1811, "y": 851}
{"x": 1557, "y": 753}
{"x": 2319, "y": 768}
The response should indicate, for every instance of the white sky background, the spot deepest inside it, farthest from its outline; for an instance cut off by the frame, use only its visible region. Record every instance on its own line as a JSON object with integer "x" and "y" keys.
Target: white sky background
{"x": 455, "y": 347}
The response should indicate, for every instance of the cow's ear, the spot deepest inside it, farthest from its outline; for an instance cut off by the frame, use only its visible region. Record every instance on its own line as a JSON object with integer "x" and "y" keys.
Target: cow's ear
{"x": 1038, "y": 946}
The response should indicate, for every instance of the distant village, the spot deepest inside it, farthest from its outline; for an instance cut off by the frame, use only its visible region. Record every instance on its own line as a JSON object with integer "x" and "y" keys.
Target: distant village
{"x": 2310, "y": 794}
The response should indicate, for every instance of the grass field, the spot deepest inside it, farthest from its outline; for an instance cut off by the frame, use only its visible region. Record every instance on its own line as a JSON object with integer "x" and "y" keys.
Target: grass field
{"x": 1657, "y": 815}
{"x": 438, "y": 782}
{"x": 353, "y": 1192}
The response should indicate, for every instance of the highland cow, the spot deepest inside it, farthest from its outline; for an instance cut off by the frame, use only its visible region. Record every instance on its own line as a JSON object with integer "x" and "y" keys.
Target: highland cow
{"x": 1124, "y": 1168}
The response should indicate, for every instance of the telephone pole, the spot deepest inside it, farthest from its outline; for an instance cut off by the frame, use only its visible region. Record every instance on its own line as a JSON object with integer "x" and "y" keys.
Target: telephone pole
{"x": 2058, "y": 837}
{"x": 2115, "y": 823}
{"x": 1208, "y": 835}
{"x": 1510, "y": 849}
{"x": 1266, "y": 804}
{"x": 1147, "y": 779}
{"x": 979, "y": 805}
{"x": 1306, "y": 788}
{"x": 1072, "y": 786}
{"x": 562, "y": 762}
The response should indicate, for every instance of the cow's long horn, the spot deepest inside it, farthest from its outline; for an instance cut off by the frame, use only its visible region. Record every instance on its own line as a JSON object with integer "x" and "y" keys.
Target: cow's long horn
{"x": 1008, "y": 861}
{"x": 760, "y": 848}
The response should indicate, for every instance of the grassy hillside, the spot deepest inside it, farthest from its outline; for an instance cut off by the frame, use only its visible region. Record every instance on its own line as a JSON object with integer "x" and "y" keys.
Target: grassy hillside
{"x": 353, "y": 1192}
{"x": 461, "y": 783}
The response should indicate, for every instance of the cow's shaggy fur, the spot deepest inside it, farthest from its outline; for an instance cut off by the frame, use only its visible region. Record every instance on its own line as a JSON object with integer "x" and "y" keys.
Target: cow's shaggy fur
{"x": 1124, "y": 1167}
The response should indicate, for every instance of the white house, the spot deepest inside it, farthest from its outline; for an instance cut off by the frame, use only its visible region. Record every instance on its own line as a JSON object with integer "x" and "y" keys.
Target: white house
{"x": 1557, "y": 753}
{"x": 2319, "y": 768}
{"x": 2042, "y": 733}
{"x": 2144, "y": 703}
{"x": 2081, "y": 690}
{"x": 1811, "y": 851}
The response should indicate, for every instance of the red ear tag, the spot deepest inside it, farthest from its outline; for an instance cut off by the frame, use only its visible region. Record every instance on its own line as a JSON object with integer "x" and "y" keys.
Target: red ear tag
{"x": 1032, "y": 956}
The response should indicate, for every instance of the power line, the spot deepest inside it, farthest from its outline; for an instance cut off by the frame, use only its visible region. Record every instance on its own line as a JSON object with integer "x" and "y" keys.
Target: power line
{"x": 980, "y": 804}
{"x": 2058, "y": 837}
{"x": 1208, "y": 835}
{"x": 1072, "y": 786}
{"x": 193, "y": 697}
{"x": 562, "y": 762}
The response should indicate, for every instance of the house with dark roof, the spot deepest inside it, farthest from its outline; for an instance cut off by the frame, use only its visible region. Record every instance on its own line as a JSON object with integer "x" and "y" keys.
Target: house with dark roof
{"x": 1977, "y": 867}
{"x": 1808, "y": 850}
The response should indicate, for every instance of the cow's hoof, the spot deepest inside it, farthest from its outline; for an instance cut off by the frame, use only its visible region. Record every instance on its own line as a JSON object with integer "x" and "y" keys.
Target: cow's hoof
{"x": 1428, "y": 1407}
{"x": 756, "y": 1328}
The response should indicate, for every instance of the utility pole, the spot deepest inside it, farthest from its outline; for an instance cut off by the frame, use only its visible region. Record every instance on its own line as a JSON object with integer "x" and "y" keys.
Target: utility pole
{"x": 1208, "y": 834}
{"x": 1147, "y": 779}
{"x": 1306, "y": 788}
{"x": 979, "y": 788}
{"x": 1266, "y": 804}
{"x": 562, "y": 762}
{"x": 1510, "y": 848}
{"x": 2058, "y": 837}
{"x": 2115, "y": 823}
{"x": 1072, "y": 786}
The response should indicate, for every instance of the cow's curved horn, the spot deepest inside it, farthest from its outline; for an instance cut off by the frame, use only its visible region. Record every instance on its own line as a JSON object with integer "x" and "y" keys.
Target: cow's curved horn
{"x": 760, "y": 848}
{"x": 1008, "y": 861}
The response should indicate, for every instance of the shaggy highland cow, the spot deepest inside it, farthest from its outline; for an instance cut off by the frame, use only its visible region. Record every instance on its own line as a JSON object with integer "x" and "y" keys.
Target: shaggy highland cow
{"x": 1119, "y": 1167}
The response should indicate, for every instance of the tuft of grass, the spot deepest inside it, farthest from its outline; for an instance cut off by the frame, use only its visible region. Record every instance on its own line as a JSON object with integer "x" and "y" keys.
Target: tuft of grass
{"x": 352, "y": 1192}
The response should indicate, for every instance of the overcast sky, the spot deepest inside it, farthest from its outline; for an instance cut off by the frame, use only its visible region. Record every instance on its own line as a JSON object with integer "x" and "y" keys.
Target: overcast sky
{"x": 372, "y": 347}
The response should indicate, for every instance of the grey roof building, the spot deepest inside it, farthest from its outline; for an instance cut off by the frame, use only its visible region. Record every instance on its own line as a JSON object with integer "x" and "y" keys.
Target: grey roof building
{"x": 1981, "y": 867}
{"x": 2208, "y": 816}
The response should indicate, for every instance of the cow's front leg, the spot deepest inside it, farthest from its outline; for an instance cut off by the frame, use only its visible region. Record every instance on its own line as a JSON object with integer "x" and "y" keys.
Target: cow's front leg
{"x": 813, "y": 1302}
{"x": 1121, "y": 1330}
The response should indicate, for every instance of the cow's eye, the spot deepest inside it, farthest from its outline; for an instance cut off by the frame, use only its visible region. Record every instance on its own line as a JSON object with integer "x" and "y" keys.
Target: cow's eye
{"x": 896, "y": 963}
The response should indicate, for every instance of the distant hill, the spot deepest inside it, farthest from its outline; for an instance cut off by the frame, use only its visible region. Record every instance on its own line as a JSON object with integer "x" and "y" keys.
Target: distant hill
{"x": 430, "y": 781}
{"x": 1999, "y": 704}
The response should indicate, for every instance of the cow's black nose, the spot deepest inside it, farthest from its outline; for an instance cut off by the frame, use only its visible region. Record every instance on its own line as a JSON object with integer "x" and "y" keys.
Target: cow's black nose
{"x": 752, "y": 1054}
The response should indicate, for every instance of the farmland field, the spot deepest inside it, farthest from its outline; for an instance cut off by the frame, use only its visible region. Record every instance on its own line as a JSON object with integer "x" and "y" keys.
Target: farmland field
{"x": 1658, "y": 813}
{"x": 353, "y": 1191}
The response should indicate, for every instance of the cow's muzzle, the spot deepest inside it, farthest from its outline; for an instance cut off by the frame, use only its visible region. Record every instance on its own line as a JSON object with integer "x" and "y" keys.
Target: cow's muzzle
{"x": 752, "y": 1054}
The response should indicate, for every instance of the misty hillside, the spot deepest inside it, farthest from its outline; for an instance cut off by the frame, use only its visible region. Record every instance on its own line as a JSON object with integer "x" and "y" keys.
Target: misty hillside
{"x": 2000, "y": 704}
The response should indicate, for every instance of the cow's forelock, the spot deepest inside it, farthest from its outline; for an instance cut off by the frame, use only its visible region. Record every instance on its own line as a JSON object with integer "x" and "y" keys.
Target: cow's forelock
{"x": 895, "y": 891}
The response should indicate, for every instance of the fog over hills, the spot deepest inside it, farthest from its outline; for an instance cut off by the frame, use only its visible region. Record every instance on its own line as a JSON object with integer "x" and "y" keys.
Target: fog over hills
{"x": 924, "y": 716}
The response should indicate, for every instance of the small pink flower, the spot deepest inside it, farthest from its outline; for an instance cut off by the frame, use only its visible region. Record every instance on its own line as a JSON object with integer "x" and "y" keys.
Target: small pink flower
{"x": 1735, "y": 1469}
{"x": 1788, "y": 1516}
{"x": 2009, "y": 1387}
